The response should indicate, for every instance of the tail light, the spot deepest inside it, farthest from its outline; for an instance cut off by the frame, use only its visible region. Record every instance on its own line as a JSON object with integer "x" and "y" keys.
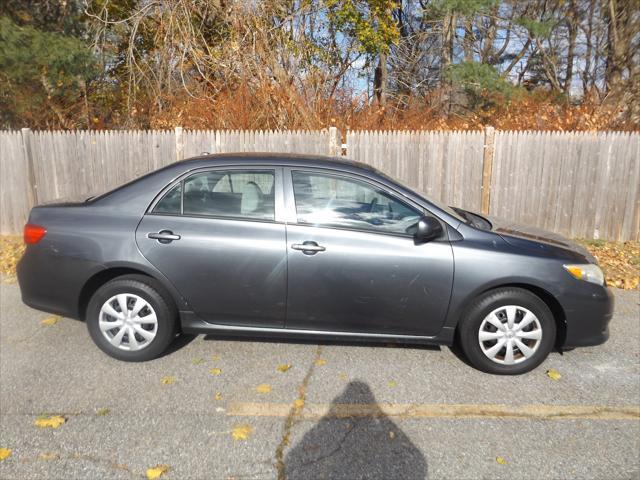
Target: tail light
{"x": 33, "y": 233}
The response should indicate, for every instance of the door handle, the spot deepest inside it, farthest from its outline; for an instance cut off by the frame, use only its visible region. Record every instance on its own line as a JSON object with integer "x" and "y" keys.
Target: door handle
{"x": 308, "y": 247}
{"x": 164, "y": 236}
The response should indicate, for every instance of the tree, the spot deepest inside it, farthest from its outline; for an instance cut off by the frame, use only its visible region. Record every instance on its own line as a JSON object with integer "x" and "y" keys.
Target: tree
{"x": 42, "y": 68}
{"x": 312, "y": 63}
{"x": 371, "y": 23}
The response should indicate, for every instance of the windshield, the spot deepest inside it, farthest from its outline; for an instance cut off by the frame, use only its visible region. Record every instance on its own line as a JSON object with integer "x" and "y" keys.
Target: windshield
{"x": 442, "y": 206}
{"x": 425, "y": 197}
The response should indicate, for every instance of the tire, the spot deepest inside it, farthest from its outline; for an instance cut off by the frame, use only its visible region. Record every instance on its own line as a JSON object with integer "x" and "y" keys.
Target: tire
{"x": 498, "y": 305}
{"x": 104, "y": 310}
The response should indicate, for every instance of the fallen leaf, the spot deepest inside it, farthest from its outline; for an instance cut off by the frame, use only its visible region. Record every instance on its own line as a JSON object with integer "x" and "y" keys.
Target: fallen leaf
{"x": 218, "y": 396}
{"x": 48, "y": 456}
{"x": 101, "y": 412}
{"x": 157, "y": 471}
{"x": 167, "y": 380}
{"x": 618, "y": 260}
{"x": 241, "y": 432}
{"x": 320, "y": 362}
{"x": 298, "y": 403}
{"x": 11, "y": 249}
{"x": 5, "y": 453}
{"x": 197, "y": 361}
{"x": 215, "y": 371}
{"x": 52, "y": 320}
{"x": 392, "y": 383}
{"x": 501, "y": 460}
{"x": 54, "y": 421}
{"x": 344, "y": 376}
{"x": 263, "y": 388}
{"x": 554, "y": 374}
{"x": 283, "y": 367}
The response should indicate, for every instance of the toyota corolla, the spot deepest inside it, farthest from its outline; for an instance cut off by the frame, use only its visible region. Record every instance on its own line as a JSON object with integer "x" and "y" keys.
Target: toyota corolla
{"x": 269, "y": 245}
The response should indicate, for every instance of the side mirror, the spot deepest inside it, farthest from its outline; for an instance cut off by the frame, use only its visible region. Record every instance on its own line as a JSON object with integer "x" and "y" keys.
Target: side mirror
{"x": 428, "y": 229}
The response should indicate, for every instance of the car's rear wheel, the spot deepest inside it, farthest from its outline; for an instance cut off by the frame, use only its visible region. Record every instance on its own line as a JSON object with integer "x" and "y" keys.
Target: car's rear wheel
{"x": 507, "y": 331}
{"x": 131, "y": 319}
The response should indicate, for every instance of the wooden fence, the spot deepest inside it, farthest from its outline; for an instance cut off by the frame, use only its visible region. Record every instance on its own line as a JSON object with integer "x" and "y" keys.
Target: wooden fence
{"x": 584, "y": 185}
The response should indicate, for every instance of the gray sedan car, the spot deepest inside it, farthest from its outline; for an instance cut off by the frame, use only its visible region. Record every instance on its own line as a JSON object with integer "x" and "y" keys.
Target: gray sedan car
{"x": 270, "y": 245}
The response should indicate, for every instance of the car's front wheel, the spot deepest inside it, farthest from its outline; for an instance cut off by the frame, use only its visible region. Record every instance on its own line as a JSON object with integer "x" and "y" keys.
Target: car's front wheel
{"x": 130, "y": 318}
{"x": 507, "y": 331}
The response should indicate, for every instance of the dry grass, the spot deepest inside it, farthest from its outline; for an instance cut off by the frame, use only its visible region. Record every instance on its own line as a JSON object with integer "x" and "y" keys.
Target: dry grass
{"x": 619, "y": 260}
{"x": 284, "y": 107}
{"x": 11, "y": 248}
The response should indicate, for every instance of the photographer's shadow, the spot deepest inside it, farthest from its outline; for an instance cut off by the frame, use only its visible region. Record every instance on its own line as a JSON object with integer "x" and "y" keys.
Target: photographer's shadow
{"x": 355, "y": 447}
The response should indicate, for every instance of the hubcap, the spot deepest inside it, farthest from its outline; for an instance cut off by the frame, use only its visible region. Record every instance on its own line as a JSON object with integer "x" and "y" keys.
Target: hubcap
{"x": 128, "y": 322}
{"x": 510, "y": 335}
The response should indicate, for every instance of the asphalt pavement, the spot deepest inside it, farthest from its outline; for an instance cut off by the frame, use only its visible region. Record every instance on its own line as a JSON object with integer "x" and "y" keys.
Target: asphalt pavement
{"x": 223, "y": 408}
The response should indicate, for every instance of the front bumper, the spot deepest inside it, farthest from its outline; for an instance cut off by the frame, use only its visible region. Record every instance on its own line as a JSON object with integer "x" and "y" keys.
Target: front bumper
{"x": 588, "y": 313}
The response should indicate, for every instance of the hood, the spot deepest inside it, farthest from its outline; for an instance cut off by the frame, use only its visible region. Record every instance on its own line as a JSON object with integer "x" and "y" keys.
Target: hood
{"x": 524, "y": 236}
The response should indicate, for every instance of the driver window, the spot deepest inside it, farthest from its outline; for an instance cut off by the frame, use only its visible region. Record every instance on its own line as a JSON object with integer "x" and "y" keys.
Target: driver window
{"x": 326, "y": 200}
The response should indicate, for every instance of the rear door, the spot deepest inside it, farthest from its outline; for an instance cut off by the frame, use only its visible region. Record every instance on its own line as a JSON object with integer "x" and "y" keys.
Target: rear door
{"x": 353, "y": 263}
{"x": 215, "y": 235}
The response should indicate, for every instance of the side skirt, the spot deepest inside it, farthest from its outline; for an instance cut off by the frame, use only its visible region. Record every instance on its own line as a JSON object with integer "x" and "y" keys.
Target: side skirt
{"x": 192, "y": 324}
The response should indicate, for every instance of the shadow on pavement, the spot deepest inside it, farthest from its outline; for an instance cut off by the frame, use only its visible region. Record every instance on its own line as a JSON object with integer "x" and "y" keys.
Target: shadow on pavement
{"x": 371, "y": 447}
{"x": 178, "y": 343}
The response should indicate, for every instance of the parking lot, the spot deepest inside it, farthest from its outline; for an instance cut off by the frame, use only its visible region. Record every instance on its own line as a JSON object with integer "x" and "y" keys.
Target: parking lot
{"x": 218, "y": 408}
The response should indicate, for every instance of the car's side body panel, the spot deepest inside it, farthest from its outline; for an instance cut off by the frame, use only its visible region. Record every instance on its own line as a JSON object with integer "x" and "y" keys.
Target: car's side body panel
{"x": 365, "y": 281}
{"x": 81, "y": 242}
{"x": 231, "y": 272}
{"x": 369, "y": 283}
{"x": 485, "y": 261}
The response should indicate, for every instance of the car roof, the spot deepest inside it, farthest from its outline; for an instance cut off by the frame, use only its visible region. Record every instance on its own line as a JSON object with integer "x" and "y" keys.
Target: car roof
{"x": 268, "y": 158}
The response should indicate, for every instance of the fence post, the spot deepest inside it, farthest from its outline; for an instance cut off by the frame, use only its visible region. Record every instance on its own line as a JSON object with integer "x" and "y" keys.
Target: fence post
{"x": 335, "y": 143}
{"x": 32, "y": 188}
{"x": 179, "y": 144}
{"x": 487, "y": 167}
{"x": 344, "y": 148}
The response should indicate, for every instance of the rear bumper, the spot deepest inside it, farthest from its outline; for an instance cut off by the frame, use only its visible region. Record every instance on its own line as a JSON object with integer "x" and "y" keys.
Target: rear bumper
{"x": 588, "y": 313}
{"x": 52, "y": 282}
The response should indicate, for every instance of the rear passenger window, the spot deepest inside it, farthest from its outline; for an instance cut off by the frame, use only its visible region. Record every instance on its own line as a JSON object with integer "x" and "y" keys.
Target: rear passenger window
{"x": 234, "y": 193}
{"x": 171, "y": 202}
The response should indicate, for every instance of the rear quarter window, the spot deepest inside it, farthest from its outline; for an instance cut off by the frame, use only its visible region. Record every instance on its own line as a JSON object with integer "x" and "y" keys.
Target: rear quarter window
{"x": 171, "y": 203}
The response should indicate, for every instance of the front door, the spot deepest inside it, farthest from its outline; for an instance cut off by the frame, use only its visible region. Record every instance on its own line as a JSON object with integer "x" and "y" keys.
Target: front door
{"x": 214, "y": 236}
{"x": 353, "y": 263}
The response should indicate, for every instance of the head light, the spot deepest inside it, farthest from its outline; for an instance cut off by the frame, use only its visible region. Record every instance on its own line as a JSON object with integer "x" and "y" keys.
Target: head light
{"x": 587, "y": 272}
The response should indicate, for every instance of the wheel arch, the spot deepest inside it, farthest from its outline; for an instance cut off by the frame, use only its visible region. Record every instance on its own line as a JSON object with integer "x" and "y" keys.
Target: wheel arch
{"x": 114, "y": 271}
{"x": 547, "y": 297}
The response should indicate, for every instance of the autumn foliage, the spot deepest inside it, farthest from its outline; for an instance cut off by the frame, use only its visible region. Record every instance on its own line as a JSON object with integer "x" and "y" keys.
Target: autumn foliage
{"x": 282, "y": 108}
{"x": 309, "y": 64}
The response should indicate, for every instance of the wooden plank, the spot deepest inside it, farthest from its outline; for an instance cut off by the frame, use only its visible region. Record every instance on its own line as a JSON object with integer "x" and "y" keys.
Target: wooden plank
{"x": 487, "y": 167}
